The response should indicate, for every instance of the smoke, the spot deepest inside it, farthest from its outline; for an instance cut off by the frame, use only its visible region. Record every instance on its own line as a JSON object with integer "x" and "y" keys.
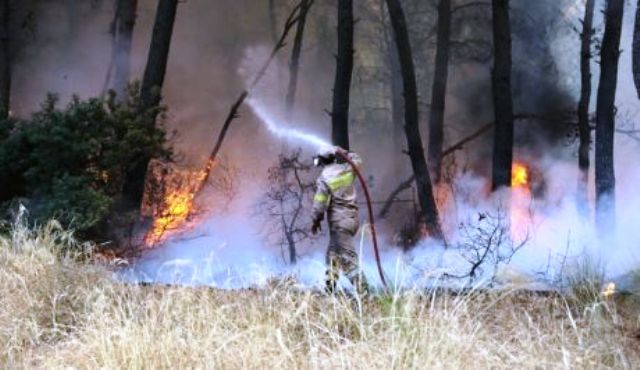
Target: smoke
{"x": 228, "y": 252}
{"x": 211, "y": 59}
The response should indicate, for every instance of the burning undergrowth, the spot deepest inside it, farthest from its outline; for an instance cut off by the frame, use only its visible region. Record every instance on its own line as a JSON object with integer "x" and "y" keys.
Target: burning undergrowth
{"x": 535, "y": 228}
{"x": 537, "y": 237}
{"x": 171, "y": 197}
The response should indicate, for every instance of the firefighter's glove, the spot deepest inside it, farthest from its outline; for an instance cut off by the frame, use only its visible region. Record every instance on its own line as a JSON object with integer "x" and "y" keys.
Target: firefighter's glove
{"x": 316, "y": 226}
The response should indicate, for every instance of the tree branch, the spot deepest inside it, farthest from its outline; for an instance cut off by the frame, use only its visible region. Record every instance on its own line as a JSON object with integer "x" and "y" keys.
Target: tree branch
{"x": 292, "y": 19}
{"x": 407, "y": 183}
{"x": 469, "y": 5}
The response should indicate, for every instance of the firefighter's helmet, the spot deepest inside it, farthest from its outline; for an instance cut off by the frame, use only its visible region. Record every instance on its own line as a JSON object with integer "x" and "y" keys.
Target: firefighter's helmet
{"x": 325, "y": 155}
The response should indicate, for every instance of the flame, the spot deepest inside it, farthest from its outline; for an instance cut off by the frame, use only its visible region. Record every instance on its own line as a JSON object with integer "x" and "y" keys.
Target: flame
{"x": 519, "y": 175}
{"x": 609, "y": 290}
{"x": 177, "y": 205}
{"x": 520, "y": 201}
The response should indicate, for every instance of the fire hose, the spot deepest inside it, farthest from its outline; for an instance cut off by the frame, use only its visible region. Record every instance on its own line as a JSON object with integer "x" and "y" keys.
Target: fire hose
{"x": 344, "y": 155}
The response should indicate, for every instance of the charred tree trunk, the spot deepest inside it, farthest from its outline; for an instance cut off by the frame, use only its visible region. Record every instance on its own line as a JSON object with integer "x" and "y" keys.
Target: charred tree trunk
{"x": 344, "y": 70}
{"x": 636, "y": 50}
{"x": 439, "y": 89}
{"x": 502, "y": 98}
{"x": 150, "y": 93}
{"x": 5, "y": 60}
{"x": 294, "y": 64}
{"x": 291, "y": 243}
{"x": 412, "y": 130}
{"x": 605, "y": 113}
{"x": 125, "y": 21}
{"x": 583, "y": 105}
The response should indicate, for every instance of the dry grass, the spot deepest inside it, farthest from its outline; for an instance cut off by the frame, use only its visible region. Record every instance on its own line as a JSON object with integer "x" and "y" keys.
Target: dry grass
{"x": 57, "y": 312}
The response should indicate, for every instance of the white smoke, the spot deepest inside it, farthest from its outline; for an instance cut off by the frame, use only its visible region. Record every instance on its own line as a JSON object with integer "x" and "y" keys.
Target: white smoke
{"x": 227, "y": 251}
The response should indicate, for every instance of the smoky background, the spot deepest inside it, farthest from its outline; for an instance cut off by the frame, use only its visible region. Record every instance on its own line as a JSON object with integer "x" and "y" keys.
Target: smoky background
{"x": 64, "y": 47}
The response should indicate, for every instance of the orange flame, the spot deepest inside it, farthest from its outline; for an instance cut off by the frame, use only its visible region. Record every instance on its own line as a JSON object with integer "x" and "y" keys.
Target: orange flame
{"x": 520, "y": 201}
{"x": 177, "y": 206}
{"x": 519, "y": 175}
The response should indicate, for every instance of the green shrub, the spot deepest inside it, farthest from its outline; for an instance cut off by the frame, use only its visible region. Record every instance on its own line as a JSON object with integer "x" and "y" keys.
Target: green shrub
{"x": 71, "y": 163}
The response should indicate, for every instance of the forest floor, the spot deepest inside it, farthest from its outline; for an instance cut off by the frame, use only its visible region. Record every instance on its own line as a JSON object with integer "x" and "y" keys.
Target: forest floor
{"x": 58, "y": 311}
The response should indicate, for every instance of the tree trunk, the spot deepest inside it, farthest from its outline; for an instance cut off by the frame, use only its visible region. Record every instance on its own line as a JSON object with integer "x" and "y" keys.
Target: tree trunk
{"x": 439, "y": 89}
{"x": 636, "y": 50}
{"x": 583, "y": 105}
{"x": 502, "y": 98}
{"x": 150, "y": 92}
{"x": 412, "y": 129}
{"x": 154, "y": 72}
{"x": 125, "y": 21}
{"x": 344, "y": 70}
{"x": 605, "y": 113}
{"x": 395, "y": 87}
{"x": 294, "y": 64}
{"x": 291, "y": 243}
{"x": 5, "y": 59}
{"x": 397, "y": 101}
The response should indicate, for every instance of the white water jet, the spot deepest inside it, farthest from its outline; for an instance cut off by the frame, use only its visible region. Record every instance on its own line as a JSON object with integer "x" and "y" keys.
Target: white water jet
{"x": 270, "y": 122}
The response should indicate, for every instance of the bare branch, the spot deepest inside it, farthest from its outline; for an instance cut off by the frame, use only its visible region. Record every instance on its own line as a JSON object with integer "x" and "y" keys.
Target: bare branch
{"x": 233, "y": 112}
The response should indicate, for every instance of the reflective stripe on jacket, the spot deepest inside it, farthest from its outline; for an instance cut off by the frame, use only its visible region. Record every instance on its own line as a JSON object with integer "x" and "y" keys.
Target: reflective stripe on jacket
{"x": 336, "y": 195}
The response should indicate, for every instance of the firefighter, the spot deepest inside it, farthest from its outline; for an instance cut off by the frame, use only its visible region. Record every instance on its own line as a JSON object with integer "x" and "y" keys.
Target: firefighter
{"x": 336, "y": 196}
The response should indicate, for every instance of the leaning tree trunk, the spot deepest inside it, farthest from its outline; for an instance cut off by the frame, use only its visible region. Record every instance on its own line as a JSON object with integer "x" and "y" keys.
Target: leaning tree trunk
{"x": 439, "y": 89}
{"x": 150, "y": 92}
{"x": 636, "y": 50}
{"x": 344, "y": 70}
{"x": 583, "y": 105}
{"x": 5, "y": 59}
{"x": 294, "y": 64}
{"x": 502, "y": 98}
{"x": 605, "y": 114}
{"x": 412, "y": 129}
{"x": 154, "y": 72}
{"x": 125, "y": 21}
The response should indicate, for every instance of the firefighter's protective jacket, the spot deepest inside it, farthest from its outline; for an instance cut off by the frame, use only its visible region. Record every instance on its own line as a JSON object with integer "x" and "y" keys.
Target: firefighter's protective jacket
{"x": 336, "y": 195}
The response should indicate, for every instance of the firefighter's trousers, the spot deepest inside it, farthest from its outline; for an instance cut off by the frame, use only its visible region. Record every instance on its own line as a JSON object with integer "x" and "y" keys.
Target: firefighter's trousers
{"x": 342, "y": 257}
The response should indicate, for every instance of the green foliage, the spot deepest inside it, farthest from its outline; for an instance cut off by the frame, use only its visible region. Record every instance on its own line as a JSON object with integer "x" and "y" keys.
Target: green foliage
{"x": 74, "y": 202}
{"x": 71, "y": 163}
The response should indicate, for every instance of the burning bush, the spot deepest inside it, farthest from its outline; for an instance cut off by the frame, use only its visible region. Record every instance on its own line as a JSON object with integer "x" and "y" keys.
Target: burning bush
{"x": 170, "y": 193}
{"x": 168, "y": 198}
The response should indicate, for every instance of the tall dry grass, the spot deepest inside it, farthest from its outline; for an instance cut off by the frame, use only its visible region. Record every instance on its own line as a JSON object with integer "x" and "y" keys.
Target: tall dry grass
{"x": 57, "y": 311}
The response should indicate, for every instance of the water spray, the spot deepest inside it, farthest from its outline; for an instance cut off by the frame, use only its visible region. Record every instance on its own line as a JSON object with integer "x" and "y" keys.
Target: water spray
{"x": 270, "y": 122}
{"x": 318, "y": 142}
